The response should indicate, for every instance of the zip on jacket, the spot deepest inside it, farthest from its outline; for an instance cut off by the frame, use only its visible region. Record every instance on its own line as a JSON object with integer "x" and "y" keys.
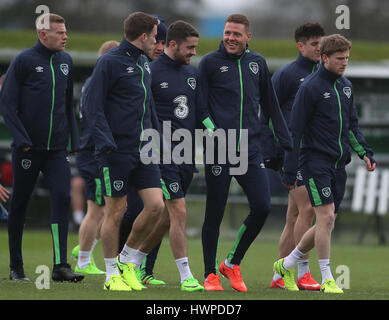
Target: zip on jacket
{"x": 235, "y": 90}
{"x": 324, "y": 123}
{"x": 37, "y": 100}
{"x": 117, "y": 102}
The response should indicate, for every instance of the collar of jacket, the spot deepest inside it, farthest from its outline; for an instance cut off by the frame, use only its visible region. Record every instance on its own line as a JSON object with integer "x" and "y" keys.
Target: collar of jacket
{"x": 305, "y": 62}
{"x": 169, "y": 60}
{"x": 326, "y": 74}
{"x": 223, "y": 50}
{"x": 130, "y": 48}
{"x": 42, "y": 49}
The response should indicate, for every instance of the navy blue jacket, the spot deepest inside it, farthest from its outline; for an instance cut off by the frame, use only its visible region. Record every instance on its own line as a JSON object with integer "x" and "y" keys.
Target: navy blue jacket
{"x": 175, "y": 93}
{"x": 117, "y": 102}
{"x": 324, "y": 123}
{"x": 234, "y": 89}
{"x": 286, "y": 82}
{"x": 37, "y": 100}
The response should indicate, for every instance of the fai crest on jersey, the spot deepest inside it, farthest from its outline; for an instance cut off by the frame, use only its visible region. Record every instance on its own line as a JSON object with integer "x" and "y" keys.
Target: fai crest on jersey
{"x": 147, "y": 67}
{"x": 26, "y": 164}
{"x": 192, "y": 83}
{"x": 174, "y": 187}
{"x": 347, "y": 91}
{"x": 64, "y": 68}
{"x": 118, "y": 185}
{"x": 216, "y": 170}
{"x": 254, "y": 67}
{"x": 326, "y": 192}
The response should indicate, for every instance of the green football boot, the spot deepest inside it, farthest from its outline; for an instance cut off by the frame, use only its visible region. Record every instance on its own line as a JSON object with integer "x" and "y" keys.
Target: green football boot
{"x": 116, "y": 283}
{"x": 129, "y": 275}
{"x": 329, "y": 286}
{"x": 191, "y": 285}
{"x": 89, "y": 269}
{"x": 287, "y": 275}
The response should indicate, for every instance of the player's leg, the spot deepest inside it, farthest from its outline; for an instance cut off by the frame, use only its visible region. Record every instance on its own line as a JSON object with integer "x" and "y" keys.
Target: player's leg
{"x": 218, "y": 184}
{"x": 147, "y": 180}
{"x": 286, "y": 243}
{"x": 115, "y": 168}
{"x": 77, "y": 199}
{"x": 319, "y": 184}
{"x": 25, "y": 169}
{"x": 255, "y": 184}
{"x": 89, "y": 232}
{"x": 56, "y": 172}
{"x": 304, "y": 221}
{"x": 134, "y": 208}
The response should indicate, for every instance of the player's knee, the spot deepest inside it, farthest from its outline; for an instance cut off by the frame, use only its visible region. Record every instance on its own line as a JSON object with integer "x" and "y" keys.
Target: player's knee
{"x": 155, "y": 209}
{"x": 329, "y": 220}
{"x": 262, "y": 209}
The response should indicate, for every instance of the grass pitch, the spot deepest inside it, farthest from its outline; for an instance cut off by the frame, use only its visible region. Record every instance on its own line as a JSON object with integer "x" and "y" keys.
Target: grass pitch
{"x": 367, "y": 264}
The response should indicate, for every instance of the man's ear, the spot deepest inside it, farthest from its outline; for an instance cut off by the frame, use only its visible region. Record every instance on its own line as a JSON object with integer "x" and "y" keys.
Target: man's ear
{"x": 249, "y": 36}
{"x": 300, "y": 45}
{"x": 143, "y": 36}
{"x": 42, "y": 34}
{"x": 172, "y": 43}
{"x": 324, "y": 58}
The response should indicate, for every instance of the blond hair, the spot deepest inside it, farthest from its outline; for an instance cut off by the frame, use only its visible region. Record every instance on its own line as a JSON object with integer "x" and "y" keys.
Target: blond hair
{"x": 107, "y": 45}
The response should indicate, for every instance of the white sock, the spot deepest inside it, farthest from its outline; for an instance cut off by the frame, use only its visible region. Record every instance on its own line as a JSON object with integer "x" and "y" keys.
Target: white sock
{"x": 183, "y": 268}
{"x": 228, "y": 264}
{"x": 302, "y": 267}
{"x": 127, "y": 254}
{"x": 111, "y": 268}
{"x": 325, "y": 270}
{"x": 276, "y": 276}
{"x": 83, "y": 259}
{"x": 132, "y": 255}
{"x": 291, "y": 260}
{"x": 94, "y": 244}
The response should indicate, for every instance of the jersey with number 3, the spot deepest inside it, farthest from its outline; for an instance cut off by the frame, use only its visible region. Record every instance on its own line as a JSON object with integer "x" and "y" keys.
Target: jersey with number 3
{"x": 174, "y": 92}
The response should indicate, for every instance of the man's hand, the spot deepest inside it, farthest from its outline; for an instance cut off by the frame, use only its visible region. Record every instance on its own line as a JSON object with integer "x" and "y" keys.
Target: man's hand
{"x": 370, "y": 163}
{"x": 288, "y": 180}
{"x": 25, "y": 149}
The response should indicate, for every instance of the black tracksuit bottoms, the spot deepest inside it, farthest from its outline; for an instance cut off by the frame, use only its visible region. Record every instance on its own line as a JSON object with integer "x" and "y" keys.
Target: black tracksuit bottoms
{"x": 26, "y": 167}
{"x": 256, "y": 187}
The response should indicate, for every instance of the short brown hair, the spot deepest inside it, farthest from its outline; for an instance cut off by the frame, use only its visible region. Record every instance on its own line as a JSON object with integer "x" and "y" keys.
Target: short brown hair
{"x": 53, "y": 18}
{"x": 138, "y": 23}
{"x": 107, "y": 45}
{"x": 179, "y": 31}
{"x": 334, "y": 43}
{"x": 239, "y": 18}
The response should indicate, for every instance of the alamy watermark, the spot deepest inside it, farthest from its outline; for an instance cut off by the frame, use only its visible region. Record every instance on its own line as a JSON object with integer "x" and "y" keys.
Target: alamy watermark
{"x": 43, "y": 21}
{"x": 221, "y": 147}
{"x": 43, "y": 280}
{"x": 343, "y": 20}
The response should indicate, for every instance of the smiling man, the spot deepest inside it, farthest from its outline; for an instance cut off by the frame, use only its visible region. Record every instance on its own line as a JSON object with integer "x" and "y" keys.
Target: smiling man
{"x": 175, "y": 92}
{"x": 324, "y": 127}
{"x": 37, "y": 105}
{"x": 234, "y": 84}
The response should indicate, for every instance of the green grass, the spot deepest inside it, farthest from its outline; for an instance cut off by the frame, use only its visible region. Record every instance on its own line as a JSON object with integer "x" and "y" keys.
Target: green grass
{"x": 274, "y": 48}
{"x": 367, "y": 264}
